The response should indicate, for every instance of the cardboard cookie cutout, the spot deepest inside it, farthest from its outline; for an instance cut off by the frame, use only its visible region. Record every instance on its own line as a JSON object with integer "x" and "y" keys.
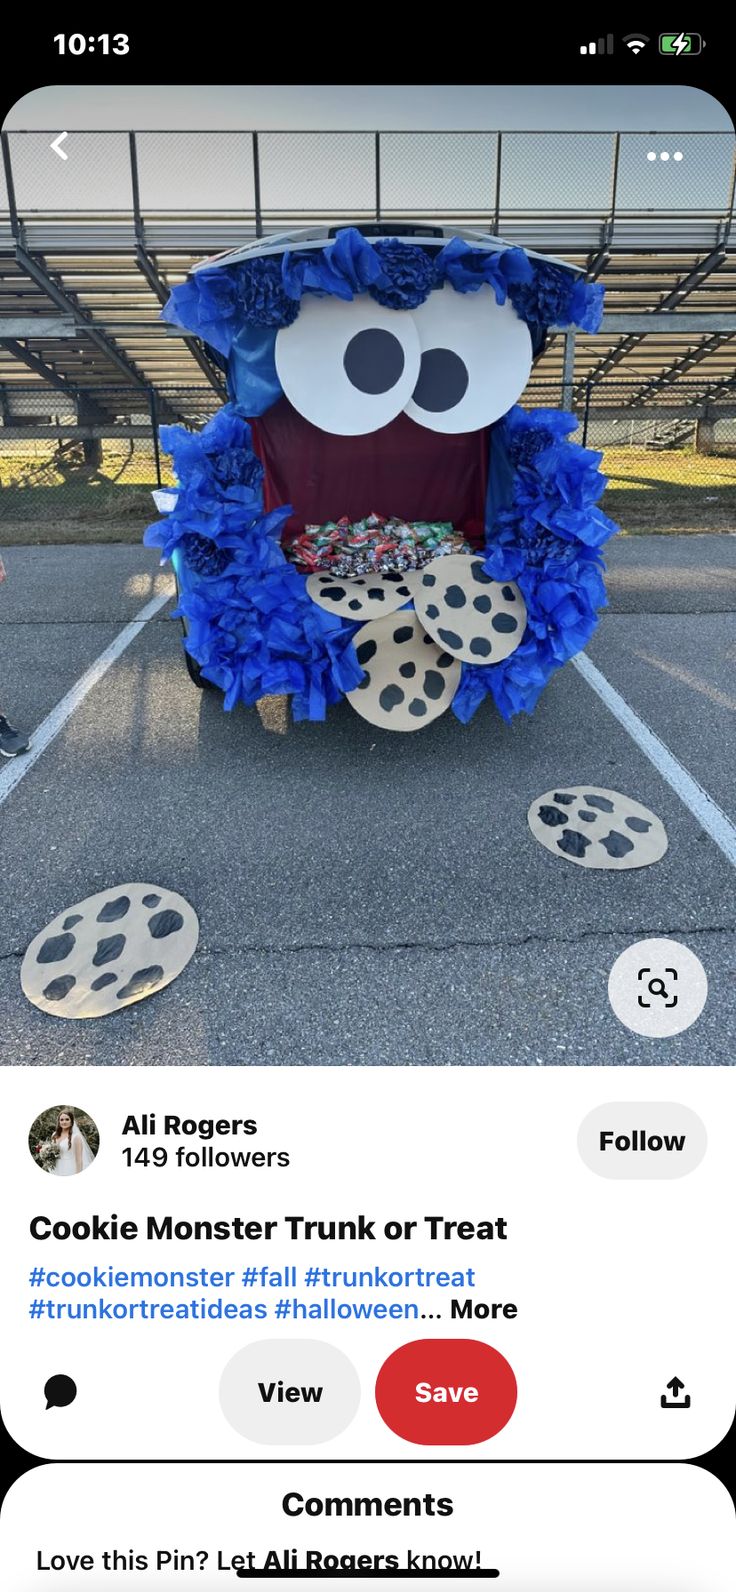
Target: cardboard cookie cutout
{"x": 362, "y": 596}
{"x": 409, "y": 680}
{"x": 109, "y": 951}
{"x": 597, "y": 828}
{"x": 477, "y": 619}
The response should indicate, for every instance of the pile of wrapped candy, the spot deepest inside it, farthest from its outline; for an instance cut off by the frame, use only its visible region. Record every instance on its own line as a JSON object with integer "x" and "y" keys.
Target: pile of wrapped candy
{"x": 360, "y": 547}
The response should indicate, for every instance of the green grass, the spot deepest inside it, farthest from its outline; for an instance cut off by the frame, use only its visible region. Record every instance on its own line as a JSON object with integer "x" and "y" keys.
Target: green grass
{"x": 679, "y": 491}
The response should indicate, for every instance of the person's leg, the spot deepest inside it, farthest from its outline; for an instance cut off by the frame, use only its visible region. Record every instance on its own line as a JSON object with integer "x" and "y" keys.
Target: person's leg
{"x": 11, "y": 741}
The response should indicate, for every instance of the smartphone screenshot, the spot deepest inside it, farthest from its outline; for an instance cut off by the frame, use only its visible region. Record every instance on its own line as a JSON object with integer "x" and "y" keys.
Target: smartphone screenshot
{"x": 367, "y": 821}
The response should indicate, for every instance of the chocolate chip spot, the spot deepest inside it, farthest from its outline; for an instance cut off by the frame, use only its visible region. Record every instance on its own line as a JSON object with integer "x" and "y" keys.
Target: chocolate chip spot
{"x": 151, "y": 900}
{"x": 432, "y": 611}
{"x": 364, "y": 684}
{"x": 113, "y": 910}
{"x": 103, "y": 980}
{"x": 509, "y": 593}
{"x": 429, "y": 580}
{"x": 483, "y": 604}
{"x": 567, "y": 801}
{"x": 480, "y": 575}
{"x": 366, "y": 651}
{"x": 428, "y": 642}
{"x": 601, "y": 803}
{"x": 455, "y": 597}
{"x": 393, "y": 575}
{"x": 146, "y": 978}
{"x": 552, "y": 816}
{"x": 377, "y": 593}
{"x": 480, "y": 647}
{"x": 70, "y": 923}
{"x": 573, "y": 844}
{"x": 450, "y": 639}
{"x": 108, "y": 950}
{"x": 505, "y": 623}
{"x": 165, "y": 923}
{"x": 59, "y": 988}
{"x": 444, "y": 660}
{"x": 335, "y": 594}
{"x": 639, "y": 825}
{"x": 617, "y": 845}
{"x": 417, "y": 708}
{"x": 57, "y": 948}
{"x": 404, "y": 591}
{"x": 390, "y": 697}
{"x": 434, "y": 685}
{"x": 408, "y": 670}
{"x": 404, "y": 633}
{"x": 588, "y": 818}
{"x": 354, "y": 603}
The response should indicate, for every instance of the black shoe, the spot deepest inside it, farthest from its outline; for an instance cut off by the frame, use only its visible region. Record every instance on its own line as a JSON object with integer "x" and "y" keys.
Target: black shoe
{"x": 11, "y": 741}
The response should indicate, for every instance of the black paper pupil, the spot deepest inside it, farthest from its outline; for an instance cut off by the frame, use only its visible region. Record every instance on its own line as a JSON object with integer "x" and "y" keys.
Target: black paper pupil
{"x": 374, "y": 360}
{"x": 443, "y": 380}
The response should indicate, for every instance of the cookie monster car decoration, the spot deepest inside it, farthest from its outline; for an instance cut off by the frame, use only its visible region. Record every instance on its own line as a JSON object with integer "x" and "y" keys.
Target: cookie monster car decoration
{"x": 372, "y": 514}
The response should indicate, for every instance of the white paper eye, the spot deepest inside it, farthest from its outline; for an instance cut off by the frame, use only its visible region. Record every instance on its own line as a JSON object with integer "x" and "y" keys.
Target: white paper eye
{"x": 476, "y": 359}
{"x": 349, "y": 367}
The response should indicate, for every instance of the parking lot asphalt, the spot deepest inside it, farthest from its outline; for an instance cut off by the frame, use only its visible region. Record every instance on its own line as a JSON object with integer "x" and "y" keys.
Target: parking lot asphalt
{"x": 366, "y": 898}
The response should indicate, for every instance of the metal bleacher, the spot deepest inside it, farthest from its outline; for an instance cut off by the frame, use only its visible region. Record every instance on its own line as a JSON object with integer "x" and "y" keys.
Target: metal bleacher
{"x": 89, "y": 249}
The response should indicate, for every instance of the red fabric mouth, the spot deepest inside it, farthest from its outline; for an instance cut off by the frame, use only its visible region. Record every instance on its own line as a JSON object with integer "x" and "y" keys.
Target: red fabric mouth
{"x": 403, "y": 469}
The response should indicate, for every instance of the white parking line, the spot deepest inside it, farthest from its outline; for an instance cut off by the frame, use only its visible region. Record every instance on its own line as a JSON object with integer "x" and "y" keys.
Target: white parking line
{"x": 12, "y": 774}
{"x": 707, "y": 812}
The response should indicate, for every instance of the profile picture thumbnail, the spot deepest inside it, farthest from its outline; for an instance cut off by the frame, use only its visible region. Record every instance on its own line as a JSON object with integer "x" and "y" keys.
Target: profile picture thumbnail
{"x": 64, "y": 1140}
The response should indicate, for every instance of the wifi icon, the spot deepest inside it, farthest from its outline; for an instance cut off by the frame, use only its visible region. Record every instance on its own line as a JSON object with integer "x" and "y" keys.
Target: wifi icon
{"x": 635, "y": 42}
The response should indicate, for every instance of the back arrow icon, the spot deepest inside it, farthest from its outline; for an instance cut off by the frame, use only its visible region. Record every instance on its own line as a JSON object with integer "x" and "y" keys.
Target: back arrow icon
{"x": 56, "y": 146}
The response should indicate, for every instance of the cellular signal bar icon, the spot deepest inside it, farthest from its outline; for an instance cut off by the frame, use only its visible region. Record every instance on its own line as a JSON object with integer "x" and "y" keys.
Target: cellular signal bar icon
{"x": 603, "y": 47}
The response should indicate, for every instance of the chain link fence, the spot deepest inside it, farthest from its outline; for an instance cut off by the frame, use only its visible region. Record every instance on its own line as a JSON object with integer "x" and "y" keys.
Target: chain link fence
{"x": 267, "y": 178}
{"x": 88, "y": 468}
{"x": 671, "y": 466}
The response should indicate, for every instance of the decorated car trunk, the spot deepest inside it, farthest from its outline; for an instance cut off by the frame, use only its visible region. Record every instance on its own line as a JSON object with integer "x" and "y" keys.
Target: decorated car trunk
{"x": 373, "y": 515}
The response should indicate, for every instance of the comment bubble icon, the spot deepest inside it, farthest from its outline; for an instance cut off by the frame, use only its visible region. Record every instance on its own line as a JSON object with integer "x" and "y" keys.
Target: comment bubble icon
{"x": 60, "y": 1391}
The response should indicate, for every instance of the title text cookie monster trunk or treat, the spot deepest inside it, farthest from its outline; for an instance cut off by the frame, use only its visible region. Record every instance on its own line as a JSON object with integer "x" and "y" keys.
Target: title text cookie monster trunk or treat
{"x": 373, "y": 515}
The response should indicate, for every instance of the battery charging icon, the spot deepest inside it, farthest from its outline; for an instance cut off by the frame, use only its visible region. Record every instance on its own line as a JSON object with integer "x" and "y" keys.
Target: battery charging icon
{"x": 680, "y": 43}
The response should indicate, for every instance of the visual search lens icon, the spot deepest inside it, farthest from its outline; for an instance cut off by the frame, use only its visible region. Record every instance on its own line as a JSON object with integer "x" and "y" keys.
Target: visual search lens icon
{"x": 656, "y": 986}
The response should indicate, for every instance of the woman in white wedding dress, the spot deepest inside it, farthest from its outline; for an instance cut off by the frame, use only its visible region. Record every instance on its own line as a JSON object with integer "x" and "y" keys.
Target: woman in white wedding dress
{"x": 74, "y": 1151}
